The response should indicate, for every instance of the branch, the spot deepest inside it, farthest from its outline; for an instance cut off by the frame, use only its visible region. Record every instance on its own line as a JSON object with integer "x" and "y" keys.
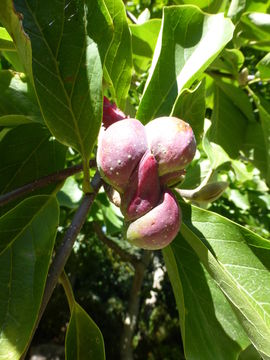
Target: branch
{"x": 65, "y": 248}
{"x": 117, "y": 249}
{"x": 42, "y": 182}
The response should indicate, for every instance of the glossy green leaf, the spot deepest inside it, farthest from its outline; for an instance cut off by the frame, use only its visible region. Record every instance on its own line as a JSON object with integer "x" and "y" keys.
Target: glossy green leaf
{"x": 84, "y": 340}
{"x": 144, "y": 39}
{"x": 29, "y": 152}
{"x": 11, "y": 20}
{"x": 205, "y": 314}
{"x": 190, "y": 106}
{"x": 69, "y": 44}
{"x": 119, "y": 58}
{"x": 6, "y": 42}
{"x": 188, "y": 42}
{"x": 239, "y": 262}
{"x": 264, "y": 67}
{"x": 17, "y": 103}
{"x": 27, "y": 234}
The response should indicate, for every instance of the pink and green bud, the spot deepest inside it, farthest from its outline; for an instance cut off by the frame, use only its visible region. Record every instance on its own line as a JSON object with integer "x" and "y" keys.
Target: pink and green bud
{"x": 120, "y": 148}
{"x": 143, "y": 191}
{"x": 157, "y": 228}
{"x": 172, "y": 142}
{"x": 111, "y": 113}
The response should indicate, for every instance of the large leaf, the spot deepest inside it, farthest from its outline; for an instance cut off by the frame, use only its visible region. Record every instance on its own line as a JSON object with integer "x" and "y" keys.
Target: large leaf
{"x": 28, "y": 152}
{"x": 69, "y": 44}
{"x": 239, "y": 262}
{"x": 17, "y": 103}
{"x": 204, "y": 312}
{"x": 144, "y": 38}
{"x": 27, "y": 233}
{"x": 190, "y": 106}
{"x": 84, "y": 340}
{"x": 119, "y": 58}
{"x": 188, "y": 42}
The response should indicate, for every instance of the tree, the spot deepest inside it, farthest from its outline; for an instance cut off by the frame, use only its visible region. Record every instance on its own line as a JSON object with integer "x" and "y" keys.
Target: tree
{"x": 204, "y": 62}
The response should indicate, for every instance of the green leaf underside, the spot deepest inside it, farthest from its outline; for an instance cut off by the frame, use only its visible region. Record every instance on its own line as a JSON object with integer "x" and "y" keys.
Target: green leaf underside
{"x": 204, "y": 312}
{"x": 238, "y": 260}
{"x": 188, "y": 42}
{"x": 69, "y": 43}
{"x": 23, "y": 268}
{"x": 84, "y": 340}
{"x": 119, "y": 57}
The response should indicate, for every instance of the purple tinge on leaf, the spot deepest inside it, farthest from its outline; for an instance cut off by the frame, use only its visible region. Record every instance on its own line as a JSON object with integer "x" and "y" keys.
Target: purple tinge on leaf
{"x": 111, "y": 113}
{"x": 120, "y": 148}
{"x": 143, "y": 191}
{"x": 172, "y": 142}
{"x": 157, "y": 228}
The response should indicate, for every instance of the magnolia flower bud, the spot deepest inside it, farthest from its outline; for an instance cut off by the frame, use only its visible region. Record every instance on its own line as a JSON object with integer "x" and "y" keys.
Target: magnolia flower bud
{"x": 157, "y": 228}
{"x": 120, "y": 149}
{"x": 172, "y": 142}
{"x": 143, "y": 191}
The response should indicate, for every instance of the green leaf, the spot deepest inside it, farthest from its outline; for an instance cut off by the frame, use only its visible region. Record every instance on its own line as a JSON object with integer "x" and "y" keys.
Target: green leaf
{"x": 84, "y": 340}
{"x": 29, "y": 230}
{"x": 17, "y": 103}
{"x": 228, "y": 124}
{"x": 12, "y": 21}
{"x": 70, "y": 194}
{"x": 119, "y": 58}
{"x": 205, "y": 314}
{"x": 264, "y": 112}
{"x": 69, "y": 44}
{"x": 144, "y": 39}
{"x": 6, "y": 42}
{"x": 190, "y": 106}
{"x": 264, "y": 67}
{"x": 188, "y": 42}
{"x": 210, "y": 6}
{"x": 239, "y": 262}
{"x": 37, "y": 154}
{"x": 254, "y": 147}
{"x": 230, "y": 61}
{"x": 255, "y": 29}
{"x": 215, "y": 153}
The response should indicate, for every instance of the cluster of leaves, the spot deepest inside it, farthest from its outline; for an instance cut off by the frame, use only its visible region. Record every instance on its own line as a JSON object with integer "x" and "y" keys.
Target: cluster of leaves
{"x": 206, "y": 62}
